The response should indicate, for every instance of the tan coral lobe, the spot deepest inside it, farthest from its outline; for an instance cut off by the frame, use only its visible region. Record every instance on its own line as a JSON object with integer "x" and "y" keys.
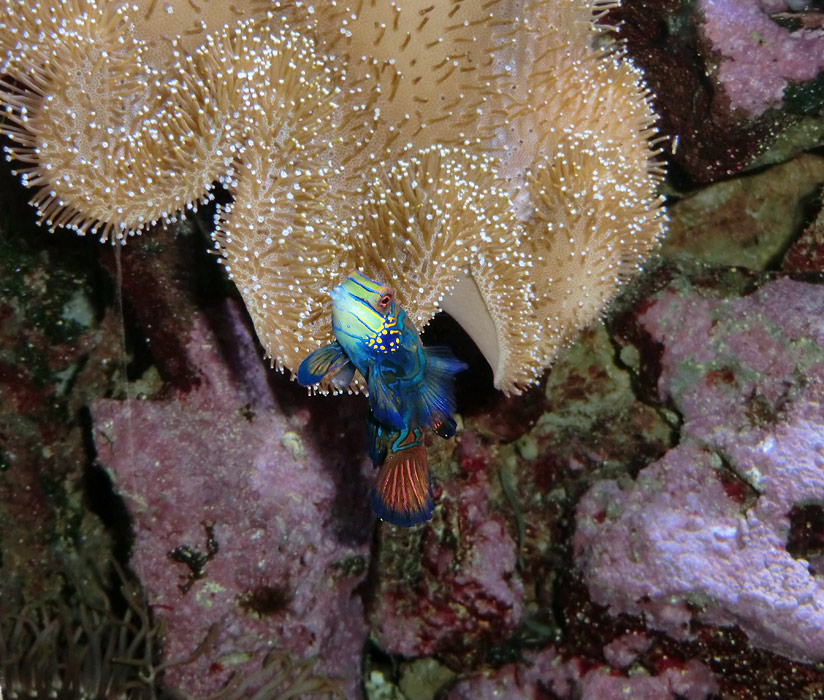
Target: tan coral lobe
{"x": 438, "y": 226}
{"x": 103, "y": 131}
{"x": 271, "y": 237}
{"x": 415, "y": 70}
{"x": 488, "y": 158}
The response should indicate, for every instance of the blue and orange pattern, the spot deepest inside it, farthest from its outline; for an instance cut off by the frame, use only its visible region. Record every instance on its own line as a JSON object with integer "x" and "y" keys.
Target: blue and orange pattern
{"x": 410, "y": 388}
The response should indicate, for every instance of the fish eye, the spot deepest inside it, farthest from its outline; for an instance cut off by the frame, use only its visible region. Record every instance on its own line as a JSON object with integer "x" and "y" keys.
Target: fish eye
{"x": 385, "y": 300}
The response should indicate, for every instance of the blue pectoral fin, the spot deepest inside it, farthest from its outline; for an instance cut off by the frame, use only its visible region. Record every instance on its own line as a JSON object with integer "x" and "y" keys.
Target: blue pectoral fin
{"x": 328, "y": 360}
{"x": 384, "y": 403}
{"x": 436, "y": 403}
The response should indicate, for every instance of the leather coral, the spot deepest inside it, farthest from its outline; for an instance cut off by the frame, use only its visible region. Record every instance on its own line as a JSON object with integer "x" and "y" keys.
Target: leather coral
{"x": 491, "y": 159}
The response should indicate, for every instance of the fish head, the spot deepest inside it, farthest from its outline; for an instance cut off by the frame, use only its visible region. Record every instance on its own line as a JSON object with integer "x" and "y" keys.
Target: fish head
{"x": 365, "y": 317}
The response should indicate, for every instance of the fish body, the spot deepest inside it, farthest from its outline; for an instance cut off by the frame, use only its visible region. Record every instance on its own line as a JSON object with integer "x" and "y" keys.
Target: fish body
{"x": 410, "y": 388}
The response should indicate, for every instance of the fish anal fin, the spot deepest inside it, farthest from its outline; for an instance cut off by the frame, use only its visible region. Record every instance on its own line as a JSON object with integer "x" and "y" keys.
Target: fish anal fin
{"x": 402, "y": 494}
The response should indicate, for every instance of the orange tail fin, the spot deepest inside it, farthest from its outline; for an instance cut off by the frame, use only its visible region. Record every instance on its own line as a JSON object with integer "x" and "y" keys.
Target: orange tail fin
{"x": 402, "y": 494}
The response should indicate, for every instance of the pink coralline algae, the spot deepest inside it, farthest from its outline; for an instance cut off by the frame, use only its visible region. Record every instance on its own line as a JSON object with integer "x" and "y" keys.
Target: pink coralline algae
{"x": 234, "y": 485}
{"x": 702, "y": 533}
{"x": 757, "y": 56}
{"x": 546, "y": 674}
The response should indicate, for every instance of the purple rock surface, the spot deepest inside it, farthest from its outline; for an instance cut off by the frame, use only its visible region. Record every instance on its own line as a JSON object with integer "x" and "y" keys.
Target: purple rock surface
{"x": 233, "y": 461}
{"x": 702, "y": 533}
{"x": 758, "y": 56}
{"x": 547, "y": 674}
{"x": 621, "y": 652}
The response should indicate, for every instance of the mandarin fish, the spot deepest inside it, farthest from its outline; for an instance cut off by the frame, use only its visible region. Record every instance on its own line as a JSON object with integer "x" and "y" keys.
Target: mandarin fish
{"x": 410, "y": 388}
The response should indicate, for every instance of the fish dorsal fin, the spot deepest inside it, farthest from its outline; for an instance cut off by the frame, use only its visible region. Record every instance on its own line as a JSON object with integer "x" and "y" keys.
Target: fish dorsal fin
{"x": 436, "y": 402}
{"x": 383, "y": 400}
{"x": 329, "y": 360}
{"x": 402, "y": 494}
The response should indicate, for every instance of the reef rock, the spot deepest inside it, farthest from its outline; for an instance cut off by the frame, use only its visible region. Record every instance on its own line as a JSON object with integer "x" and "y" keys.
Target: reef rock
{"x": 249, "y": 539}
{"x": 451, "y": 588}
{"x": 758, "y": 58}
{"x": 547, "y": 674}
{"x": 702, "y": 533}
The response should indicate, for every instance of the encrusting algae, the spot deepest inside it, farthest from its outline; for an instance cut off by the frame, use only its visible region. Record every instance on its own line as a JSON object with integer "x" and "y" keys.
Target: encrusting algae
{"x": 493, "y": 158}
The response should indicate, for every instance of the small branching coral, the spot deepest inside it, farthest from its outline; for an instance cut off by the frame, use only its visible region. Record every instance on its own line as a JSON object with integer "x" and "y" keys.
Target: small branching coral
{"x": 492, "y": 159}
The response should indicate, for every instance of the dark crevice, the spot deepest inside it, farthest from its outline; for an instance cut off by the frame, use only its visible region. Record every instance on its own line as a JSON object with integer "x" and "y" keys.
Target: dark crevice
{"x": 102, "y": 497}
